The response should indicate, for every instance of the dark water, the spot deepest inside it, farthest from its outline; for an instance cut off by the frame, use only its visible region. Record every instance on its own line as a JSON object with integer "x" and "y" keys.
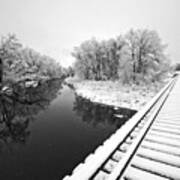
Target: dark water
{"x": 46, "y": 131}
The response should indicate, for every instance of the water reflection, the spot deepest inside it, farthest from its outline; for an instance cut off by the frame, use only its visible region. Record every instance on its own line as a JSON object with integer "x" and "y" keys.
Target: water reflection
{"x": 58, "y": 139}
{"x": 96, "y": 114}
{"x": 20, "y": 107}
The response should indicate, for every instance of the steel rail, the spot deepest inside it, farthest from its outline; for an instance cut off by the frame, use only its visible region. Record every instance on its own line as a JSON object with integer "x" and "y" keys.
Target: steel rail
{"x": 120, "y": 169}
{"x": 94, "y": 162}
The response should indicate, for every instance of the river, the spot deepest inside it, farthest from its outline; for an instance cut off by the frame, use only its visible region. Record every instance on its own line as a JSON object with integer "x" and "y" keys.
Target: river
{"x": 46, "y": 131}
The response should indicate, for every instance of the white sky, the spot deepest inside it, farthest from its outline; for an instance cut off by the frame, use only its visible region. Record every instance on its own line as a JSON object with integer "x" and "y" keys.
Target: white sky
{"x": 54, "y": 27}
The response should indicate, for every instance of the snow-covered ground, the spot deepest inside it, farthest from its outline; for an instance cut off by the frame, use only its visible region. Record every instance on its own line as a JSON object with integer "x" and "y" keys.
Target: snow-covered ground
{"x": 115, "y": 93}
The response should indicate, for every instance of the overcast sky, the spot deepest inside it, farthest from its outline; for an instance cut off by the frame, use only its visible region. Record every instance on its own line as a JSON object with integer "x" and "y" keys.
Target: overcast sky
{"x": 54, "y": 27}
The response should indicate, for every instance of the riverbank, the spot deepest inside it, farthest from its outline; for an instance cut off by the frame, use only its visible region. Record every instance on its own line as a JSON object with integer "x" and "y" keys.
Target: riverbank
{"x": 9, "y": 86}
{"x": 115, "y": 93}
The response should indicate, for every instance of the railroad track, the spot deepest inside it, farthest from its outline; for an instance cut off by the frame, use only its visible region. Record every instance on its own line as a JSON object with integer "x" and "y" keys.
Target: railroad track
{"x": 146, "y": 147}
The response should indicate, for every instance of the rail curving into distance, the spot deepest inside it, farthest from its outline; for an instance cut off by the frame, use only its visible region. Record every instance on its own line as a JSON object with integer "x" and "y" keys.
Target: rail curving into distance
{"x": 112, "y": 159}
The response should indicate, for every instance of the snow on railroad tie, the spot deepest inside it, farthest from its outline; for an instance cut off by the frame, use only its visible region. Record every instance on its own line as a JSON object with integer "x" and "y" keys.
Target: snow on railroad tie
{"x": 147, "y": 147}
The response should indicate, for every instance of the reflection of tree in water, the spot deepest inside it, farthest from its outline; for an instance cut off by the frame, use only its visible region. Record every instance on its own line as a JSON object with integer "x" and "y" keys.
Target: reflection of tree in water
{"x": 100, "y": 114}
{"x": 20, "y": 108}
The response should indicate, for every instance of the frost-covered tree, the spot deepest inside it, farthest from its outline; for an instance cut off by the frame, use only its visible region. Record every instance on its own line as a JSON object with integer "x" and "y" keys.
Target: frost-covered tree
{"x": 146, "y": 53}
{"x": 98, "y": 60}
{"x": 18, "y": 63}
{"x": 9, "y": 53}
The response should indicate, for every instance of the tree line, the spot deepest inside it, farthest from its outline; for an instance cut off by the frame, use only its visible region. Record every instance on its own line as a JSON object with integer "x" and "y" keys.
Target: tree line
{"x": 139, "y": 55}
{"x": 18, "y": 62}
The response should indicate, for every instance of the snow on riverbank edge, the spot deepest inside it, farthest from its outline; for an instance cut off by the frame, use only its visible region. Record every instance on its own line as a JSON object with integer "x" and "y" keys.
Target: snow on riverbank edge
{"x": 116, "y": 94}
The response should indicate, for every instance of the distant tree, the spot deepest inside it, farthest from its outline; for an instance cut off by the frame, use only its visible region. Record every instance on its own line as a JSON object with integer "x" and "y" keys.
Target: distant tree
{"x": 146, "y": 53}
{"x": 132, "y": 43}
{"x": 138, "y": 56}
{"x": 9, "y": 53}
{"x": 18, "y": 63}
{"x": 1, "y": 71}
{"x": 98, "y": 60}
{"x": 112, "y": 57}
